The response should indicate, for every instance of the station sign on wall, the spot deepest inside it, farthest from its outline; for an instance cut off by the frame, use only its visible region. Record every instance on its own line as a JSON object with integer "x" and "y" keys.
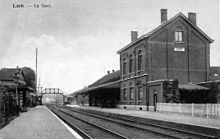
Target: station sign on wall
{"x": 179, "y": 49}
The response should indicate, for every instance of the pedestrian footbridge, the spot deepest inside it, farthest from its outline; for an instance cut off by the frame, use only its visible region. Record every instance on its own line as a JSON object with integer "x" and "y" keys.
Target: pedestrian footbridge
{"x": 52, "y": 96}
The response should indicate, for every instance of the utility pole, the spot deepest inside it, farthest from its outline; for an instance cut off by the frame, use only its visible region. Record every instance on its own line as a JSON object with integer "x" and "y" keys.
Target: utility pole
{"x": 36, "y": 73}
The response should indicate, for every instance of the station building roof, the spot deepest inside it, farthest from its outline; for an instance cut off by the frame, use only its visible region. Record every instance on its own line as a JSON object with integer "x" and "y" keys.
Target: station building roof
{"x": 109, "y": 81}
{"x": 111, "y": 77}
{"x": 8, "y": 75}
{"x": 164, "y": 24}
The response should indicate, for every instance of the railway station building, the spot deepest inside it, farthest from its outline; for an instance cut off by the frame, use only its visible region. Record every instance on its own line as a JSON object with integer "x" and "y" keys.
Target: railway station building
{"x": 176, "y": 53}
{"x": 170, "y": 64}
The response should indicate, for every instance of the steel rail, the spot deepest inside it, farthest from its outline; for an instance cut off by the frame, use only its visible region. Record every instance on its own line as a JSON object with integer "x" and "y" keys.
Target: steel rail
{"x": 78, "y": 130}
{"x": 97, "y": 126}
{"x": 145, "y": 124}
{"x": 129, "y": 125}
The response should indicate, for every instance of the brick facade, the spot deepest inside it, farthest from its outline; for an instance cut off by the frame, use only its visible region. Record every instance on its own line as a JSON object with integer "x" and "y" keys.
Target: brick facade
{"x": 177, "y": 49}
{"x": 168, "y": 61}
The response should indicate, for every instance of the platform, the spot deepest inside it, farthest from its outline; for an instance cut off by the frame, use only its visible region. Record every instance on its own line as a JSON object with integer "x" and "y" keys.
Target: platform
{"x": 37, "y": 123}
{"x": 170, "y": 117}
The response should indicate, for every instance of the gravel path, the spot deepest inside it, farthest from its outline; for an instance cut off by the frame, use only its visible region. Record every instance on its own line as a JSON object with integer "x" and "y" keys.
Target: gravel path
{"x": 37, "y": 123}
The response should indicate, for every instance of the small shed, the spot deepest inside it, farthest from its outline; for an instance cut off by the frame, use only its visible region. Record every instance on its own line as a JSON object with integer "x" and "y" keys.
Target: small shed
{"x": 193, "y": 93}
{"x": 214, "y": 87}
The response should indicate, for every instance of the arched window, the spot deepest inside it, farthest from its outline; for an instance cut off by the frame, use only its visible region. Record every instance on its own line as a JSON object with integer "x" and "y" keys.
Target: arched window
{"x": 131, "y": 92}
{"x": 124, "y": 66}
{"x": 124, "y": 93}
{"x": 130, "y": 64}
{"x": 178, "y": 34}
{"x": 140, "y": 65}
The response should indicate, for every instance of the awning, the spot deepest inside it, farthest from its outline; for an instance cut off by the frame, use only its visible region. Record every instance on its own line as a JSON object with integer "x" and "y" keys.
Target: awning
{"x": 191, "y": 87}
{"x": 12, "y": 85}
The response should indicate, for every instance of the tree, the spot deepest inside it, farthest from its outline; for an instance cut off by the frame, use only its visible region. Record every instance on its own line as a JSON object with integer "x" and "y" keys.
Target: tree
{"x": 30, "y": 77}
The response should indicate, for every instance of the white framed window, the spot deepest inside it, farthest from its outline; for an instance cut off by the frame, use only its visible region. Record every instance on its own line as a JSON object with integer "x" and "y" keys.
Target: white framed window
{"x": 178, "y": 34}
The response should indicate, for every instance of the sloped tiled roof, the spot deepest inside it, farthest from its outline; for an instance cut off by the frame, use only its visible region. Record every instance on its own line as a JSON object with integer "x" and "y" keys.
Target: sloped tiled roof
{"x": 110, "y": 85}
{"x": 107, "y": 78}
{"x": 111, "y": 81}
{"x": 7, "y": 77}
{"x": 7, "y": 74}
{"x": 164, "y": 24}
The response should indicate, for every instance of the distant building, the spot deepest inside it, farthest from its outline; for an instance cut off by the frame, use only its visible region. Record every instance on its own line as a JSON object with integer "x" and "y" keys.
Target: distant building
{"x": 176, "y": 49}
{"x": 14, "y": 79}
{"x": 8, "y": 76}
{"x": 215, "y": 73}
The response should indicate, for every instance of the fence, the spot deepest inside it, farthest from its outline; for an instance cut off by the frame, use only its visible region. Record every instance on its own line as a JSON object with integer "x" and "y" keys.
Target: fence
{"x": 8, "y": 107}
{"x": 200, "y": 110}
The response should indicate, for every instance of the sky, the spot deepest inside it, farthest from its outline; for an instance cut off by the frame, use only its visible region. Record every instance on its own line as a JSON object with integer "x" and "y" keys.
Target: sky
{"x": 77, "y": 40}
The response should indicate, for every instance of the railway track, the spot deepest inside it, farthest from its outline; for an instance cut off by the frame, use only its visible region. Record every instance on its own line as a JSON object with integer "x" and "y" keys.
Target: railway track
{"x": 157, "y": 129}
{"x": 94, "y": 124}
{"x": 86, "y": 129}
{"x": 119, "y": 129}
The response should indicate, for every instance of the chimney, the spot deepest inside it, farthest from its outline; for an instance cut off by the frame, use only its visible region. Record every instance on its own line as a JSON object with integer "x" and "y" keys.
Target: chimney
{"x": 192, "y": 17}
{"x": 113, "y": 71}
{"x": 163, "y": 15}
{"x": 134, "y": 36}
{"x": 108, "y": 72}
